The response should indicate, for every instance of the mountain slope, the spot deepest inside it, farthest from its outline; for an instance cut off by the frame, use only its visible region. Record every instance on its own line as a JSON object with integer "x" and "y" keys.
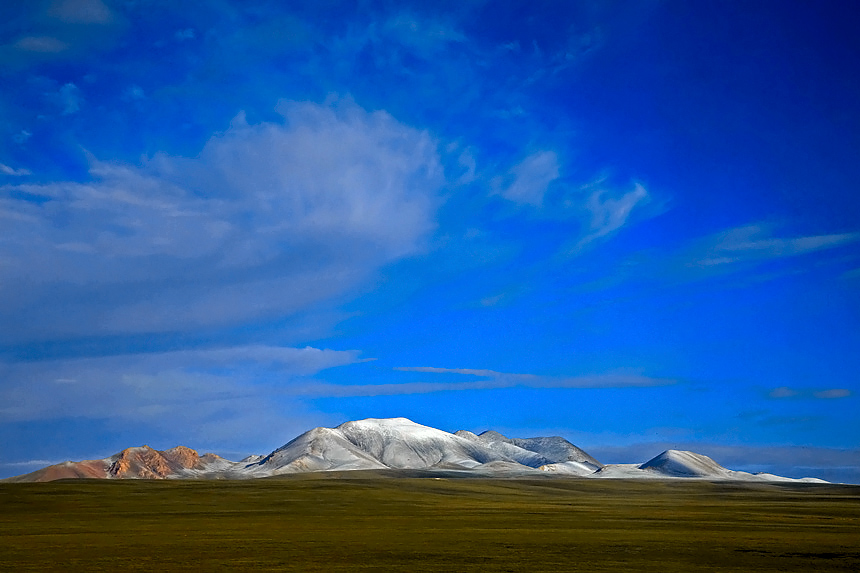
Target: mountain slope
{"x": 135, "y": 463}
{"x": 538, "y": 451}
{"x": 319, "y": 449}
{"x": 684, "y": 464}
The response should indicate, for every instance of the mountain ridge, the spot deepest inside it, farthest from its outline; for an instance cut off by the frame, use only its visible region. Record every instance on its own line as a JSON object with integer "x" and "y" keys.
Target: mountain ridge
{"x": 395, "y": 444}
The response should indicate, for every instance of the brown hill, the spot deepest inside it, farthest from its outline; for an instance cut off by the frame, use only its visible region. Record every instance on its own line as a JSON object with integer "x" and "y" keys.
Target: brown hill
{"x": 131, "y": 463}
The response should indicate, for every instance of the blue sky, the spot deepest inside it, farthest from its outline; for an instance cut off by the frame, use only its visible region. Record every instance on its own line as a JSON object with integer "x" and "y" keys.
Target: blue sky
{"x": 632, "y": 224}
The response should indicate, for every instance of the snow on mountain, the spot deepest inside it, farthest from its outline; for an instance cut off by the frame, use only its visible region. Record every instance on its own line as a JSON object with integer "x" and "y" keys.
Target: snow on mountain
{"x": 570, "y": 468}
{"x": 398, "y": 444}
{"x": 320, "y": 449}
{"x": 544, "y": 451}
{"x": 402, "y": 444}
{"x": 683, "y": 464}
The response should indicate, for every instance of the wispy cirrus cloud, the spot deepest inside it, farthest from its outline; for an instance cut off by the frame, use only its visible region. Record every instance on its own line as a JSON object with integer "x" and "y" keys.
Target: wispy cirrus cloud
{"x": 818, "y": 393}
{"x": 528, "y": 181}
{"x": 6, "y": 170}
{"x": 471, "y": 371}
{"x": 753, "y": 243}
{"x": 488, "y": 380}
{"x": 537, "y": 181}
{"x": 493, "y": 379}
{"x": 80, "y": 12}
{"x": 496, "y": 381}
{"x": 530, "y": 175}
{"x": 40, "y": 44}
{"x": 832, "y": 393}
{"x": 426, "y": 37}
{"x": 610, "y": 212}
{"x": 69, "y": 97}
{"x": 752, "y": 249}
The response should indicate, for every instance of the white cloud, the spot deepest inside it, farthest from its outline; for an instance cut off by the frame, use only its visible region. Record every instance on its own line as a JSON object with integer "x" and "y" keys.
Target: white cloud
{"x": 80, "y": 11}
{"x": 22, "y": 136}
{"x": 749, "y": 249}
{"x": 185, "y": 34}
{"x": 425, "y": 37}
{"x": 6, "y": 170}
{"x": 469, "y": 371}
{"x": 529, "y": 180}
{"x": 755, "y": 242}
{"x": 267, "y": 220}
{"x": 608, "y": 214}
{"x": 822, "y": 394}
{"x": 492, "y": 300}
{"x": 536, "y": 181}
{"x": 70, "y": 98}
{"x": 782, "y": 392}
{"x": 421, "y": 38}
{"x": 494, "y": 379}
{"x": 468, "y": 163}
{"x": 41, "y": 44}
{"x": 832, "y": 393}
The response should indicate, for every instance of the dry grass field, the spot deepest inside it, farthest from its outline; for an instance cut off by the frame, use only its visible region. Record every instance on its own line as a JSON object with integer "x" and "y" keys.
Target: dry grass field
{"x": 361, "y": 521}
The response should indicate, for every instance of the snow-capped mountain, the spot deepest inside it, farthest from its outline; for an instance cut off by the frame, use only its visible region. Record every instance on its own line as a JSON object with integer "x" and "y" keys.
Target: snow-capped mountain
{"x": 398, "y": 443}
{"x": 682, "y": 464}
{"x": 394, "y": 444}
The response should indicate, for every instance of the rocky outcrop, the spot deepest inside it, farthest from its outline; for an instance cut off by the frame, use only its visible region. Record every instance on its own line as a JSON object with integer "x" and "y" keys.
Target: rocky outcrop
{"x": 147, "y": 463}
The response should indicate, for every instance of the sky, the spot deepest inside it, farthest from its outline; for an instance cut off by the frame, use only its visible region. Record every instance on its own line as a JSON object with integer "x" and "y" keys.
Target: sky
{"x": 635, "y": 225}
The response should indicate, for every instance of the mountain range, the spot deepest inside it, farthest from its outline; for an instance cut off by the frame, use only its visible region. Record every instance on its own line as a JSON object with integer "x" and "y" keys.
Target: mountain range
{"x": 395, "y": 444}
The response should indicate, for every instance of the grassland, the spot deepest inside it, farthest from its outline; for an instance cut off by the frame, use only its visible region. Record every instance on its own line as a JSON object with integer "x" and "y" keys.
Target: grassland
{"x": 363, "y": 522}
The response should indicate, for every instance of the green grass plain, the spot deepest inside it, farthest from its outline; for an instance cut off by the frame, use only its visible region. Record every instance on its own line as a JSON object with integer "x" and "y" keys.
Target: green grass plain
{"x": 358, "y": 522}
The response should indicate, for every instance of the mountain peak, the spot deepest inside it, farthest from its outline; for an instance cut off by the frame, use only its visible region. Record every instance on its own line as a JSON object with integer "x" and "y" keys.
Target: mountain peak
{"x": 685, "y": 463}
{"x": 382, "y": 422}
{"x": 494, "y": 436}
{"x": 145, "y": 462}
